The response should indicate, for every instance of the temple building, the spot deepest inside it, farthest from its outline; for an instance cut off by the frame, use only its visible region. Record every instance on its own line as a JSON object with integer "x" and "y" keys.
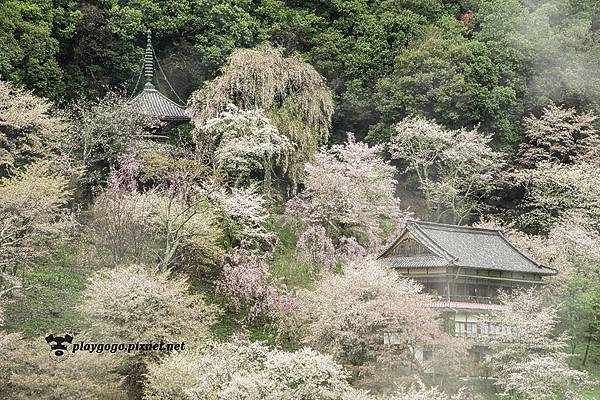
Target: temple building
{"x": 152, "y": 102}
{"x": 464, "y": 268}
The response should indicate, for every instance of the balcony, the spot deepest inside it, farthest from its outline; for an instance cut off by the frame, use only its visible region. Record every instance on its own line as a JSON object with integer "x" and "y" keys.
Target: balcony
{"x": 468, "y": 299}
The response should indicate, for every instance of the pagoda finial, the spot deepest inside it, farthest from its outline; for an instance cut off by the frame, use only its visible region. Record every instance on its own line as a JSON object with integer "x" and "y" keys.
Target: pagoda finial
{"x": 149, "y": 62}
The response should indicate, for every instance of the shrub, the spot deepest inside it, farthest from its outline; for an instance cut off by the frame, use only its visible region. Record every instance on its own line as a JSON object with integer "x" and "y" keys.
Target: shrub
{"x": 133, "y": 303}
{"x": 248, "y": 371}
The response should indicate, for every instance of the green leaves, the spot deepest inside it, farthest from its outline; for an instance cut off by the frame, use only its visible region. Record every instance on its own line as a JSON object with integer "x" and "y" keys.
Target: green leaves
{"x": 451, "y": 79}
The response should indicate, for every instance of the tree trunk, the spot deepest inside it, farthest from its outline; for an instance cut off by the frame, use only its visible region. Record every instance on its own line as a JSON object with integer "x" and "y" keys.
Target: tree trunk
{"x": 587, "y": 349}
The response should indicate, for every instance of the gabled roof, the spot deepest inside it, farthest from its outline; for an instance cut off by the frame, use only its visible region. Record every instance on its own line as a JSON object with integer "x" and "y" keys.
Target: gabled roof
{"x": 153, "y": 103}
{"x": 464, "y": 246}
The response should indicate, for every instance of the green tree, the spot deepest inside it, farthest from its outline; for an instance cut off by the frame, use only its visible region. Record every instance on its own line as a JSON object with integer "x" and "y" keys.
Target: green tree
{"x": 192, "y": 40}
{"x": 30, "y": 36}
{"x": 351, "y": 43}
{"x": 552, "y": 45}
{"x": 453, "y": 80}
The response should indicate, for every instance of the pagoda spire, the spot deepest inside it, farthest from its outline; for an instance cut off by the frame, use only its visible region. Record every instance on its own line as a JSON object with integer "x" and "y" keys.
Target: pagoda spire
{"x": 149, "y": 62}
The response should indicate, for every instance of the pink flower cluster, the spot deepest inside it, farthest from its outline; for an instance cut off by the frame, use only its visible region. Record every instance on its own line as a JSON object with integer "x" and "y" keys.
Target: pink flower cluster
{"x": 247, "y": 281}
{"x": 125, "y": 177}
{"x": 316, "y": 247}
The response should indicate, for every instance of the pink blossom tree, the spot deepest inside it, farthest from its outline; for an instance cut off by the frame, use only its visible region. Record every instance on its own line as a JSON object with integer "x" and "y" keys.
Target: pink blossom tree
{"x": 348, "y": 315}
{"x": 349, "y": 192}
{"x": 248, "y": 283}
{"x": 316, "y": 247}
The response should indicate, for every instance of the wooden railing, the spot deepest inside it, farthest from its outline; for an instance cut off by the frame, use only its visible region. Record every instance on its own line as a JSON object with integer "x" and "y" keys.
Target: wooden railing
{"x": 471, "y": 299}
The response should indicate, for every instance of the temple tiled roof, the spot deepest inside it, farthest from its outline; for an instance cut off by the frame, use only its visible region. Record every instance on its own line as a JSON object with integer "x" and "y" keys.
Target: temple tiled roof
{"x": 453, "y": 245}
{"x": 416, "y": 261}
{"x": 153, "y": 103}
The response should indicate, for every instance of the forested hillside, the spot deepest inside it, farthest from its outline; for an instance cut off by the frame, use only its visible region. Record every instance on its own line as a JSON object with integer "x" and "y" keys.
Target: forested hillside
{"x": 250, "y": 234}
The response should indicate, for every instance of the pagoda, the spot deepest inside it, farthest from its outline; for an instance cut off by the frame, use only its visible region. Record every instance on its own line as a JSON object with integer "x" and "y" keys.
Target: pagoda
{"x": 152, "y": 102}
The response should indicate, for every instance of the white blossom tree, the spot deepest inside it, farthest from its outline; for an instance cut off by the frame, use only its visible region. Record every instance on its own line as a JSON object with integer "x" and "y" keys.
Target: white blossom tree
{"x": 291, "y": 92}
{"x": 547, "y": 377}
{"x": 244, "y": 146}
{"x": 30, "y": 130}
{"x": 244, "y": 214}
{"x": 348, "y": 315}
{"x": 419, "y": 391}
{"x": 455, "y": 168}
{"x": 528, "y": 352}
{"x": 560, "y": 135}
{"x": 134, "y": 303}
{"x": 33, "y": 214}
{"x": 248, "y": 371}
{"x": 555, "y": 192}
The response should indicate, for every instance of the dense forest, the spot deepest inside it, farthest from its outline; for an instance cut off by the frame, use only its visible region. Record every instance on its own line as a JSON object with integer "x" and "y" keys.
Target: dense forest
{"x": 317, "y": 130}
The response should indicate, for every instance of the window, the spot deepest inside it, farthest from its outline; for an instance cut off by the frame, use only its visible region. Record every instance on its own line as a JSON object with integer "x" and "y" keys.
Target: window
{"x": 391, "y": 338}
{"x": 427, "y": 355}
{"x": 465, "y": 329}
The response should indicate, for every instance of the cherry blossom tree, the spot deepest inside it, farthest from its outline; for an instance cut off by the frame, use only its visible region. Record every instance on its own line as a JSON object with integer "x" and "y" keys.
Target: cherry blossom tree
{"x": 116, "y": 299}
{"x": 348, "y": 315}
{"x": 30, "y": 129}
{"x": 560, "y": 135}
{"x": 561, "y": 163}
{"x": 528, "y": 352}
{"x": 247, "y": 371}
{"x": 315, "y": 247}
{"x": 244, "y": 214}
{"x": 122, "y": 222}
{"x": 420, "y": 143}
{"x": 571, "y": 247}
{"x": 291, "y": 92}
{"x": 33, "y": 214}
{"x": 247, "y": 281}
{"x": 105, "y": 130}
{"x": 169, "y": 225}
{"x": 556, "y": 191}
{"x": 243, "y": 146}
{"x": 419, "y": 391}
{"x": 546, "y": 377}
{"x": 7, "y": 346}
{"x": 455, "y": 168}
{"x": 349, "y": 191}
{"x": 28, "y": 371}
